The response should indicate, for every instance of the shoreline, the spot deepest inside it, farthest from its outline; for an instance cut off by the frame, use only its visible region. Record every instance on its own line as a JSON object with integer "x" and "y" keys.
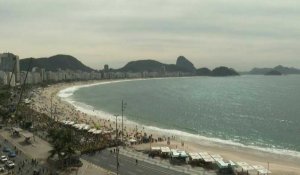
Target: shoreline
{"x": 237, "y": 152}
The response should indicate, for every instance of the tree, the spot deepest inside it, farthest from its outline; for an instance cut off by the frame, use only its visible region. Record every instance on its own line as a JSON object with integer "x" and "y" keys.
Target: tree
{"x": 63, "y": 143}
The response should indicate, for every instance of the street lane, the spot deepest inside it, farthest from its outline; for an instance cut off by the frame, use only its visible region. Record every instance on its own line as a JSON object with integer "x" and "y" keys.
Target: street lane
{"x": 128, "y": 165}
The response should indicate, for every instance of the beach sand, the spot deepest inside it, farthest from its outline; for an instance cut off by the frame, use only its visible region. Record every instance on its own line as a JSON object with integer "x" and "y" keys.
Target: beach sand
{"x": 279, "y": 164}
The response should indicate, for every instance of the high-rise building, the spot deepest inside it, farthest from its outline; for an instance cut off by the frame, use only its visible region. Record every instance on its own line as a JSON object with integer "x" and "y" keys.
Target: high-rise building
{"x": 106, "y": 68}
{"x": 10, "y": 63}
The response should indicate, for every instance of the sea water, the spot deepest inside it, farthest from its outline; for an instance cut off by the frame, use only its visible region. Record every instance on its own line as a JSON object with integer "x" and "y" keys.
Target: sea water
{"x": 257, "y": 111}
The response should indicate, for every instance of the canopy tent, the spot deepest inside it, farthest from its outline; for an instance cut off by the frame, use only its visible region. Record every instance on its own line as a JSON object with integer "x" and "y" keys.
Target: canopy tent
{"x": 224, "y": 164}
{"x": 155, "y": 148}
{"x": 208, "y": 159}
{"x": 264, "y": 171}
{"x": 195, "y": 156}
{"x": 92, "y": 130}
{"x": 242, "y": 163}
{"x": 178, "y": 154}
{"x": 245, "y": 166}
{"x": 217, "y": 157}
{"x": 165, "y": 150}
{"x": 67, "y": 122}
{"x": 107, "y": 132}
{"x": 15, "y": 129}
{"x": 97, "y": 132}
{"x": 261, "y": 170}
{"x": 27, "y": 135}
{"x": 132, "y": 140}
{"x": 82, "y": 126}
{"x": 86, "y": 127}
{"x": 203, "y": 154}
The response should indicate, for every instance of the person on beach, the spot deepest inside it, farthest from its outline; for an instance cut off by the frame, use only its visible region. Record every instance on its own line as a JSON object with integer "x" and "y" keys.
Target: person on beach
{"x": 136, "y": 161}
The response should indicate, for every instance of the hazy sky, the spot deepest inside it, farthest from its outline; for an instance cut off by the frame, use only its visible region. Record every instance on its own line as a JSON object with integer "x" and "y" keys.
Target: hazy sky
{"x": 236, "y": 33}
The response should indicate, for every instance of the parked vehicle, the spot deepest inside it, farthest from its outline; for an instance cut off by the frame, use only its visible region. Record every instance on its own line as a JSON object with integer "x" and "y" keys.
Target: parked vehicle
{"x": 12, "y": 154}
{"x": 6, "y": 149}
{"x": 10, "y": 164}
{"x": 2, "y": 169}
{"x": 3, "y": 159}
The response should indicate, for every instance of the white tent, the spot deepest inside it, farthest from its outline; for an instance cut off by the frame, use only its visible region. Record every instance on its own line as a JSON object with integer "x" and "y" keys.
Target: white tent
{"x": 177, "y": 153}
{"x": 155, "y": 148}
{"x": 217, "y": 157}
{"x": 261, "y": 170}
{"x": 195, "y": 156}
{"x": 92, "y": 130}
{"x": 97, "y": 132}
{"x": 165, "y": 149}
{"x": 132, "y": 140}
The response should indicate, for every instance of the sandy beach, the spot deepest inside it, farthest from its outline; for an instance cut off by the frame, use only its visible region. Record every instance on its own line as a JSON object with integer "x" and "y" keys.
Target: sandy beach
{"x": 279, "y": 164}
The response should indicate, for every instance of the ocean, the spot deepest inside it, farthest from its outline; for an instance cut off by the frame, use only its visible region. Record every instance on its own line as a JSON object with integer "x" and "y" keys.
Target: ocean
{"x": 261, "y": 112}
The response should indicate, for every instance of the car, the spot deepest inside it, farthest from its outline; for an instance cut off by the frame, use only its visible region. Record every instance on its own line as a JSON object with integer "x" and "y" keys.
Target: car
{"x": 12, "y": 154}
{"x": 10, "y": 164}
{"x": 2, "y": 169}
{"x": 6, "y": 149}
{"x": 3, "y": 159}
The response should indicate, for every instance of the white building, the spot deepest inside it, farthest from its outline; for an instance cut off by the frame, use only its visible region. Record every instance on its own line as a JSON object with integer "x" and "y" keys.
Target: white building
{"x": 3, "y": 78}
{"x": 10, "y": 63}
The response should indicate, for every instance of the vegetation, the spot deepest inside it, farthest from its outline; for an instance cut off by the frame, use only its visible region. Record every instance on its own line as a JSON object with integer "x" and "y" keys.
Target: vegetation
{"x": 182, "y": 65}
{"x": 224, "y": 71}
{"x": 281, "y": 69}
{"x": 185, "y": 64}
{"x": 63, "y": 142}
{"x": 54, "y": 63}
{"x": 273, "y": 72}
{"x": 203, "y": 72}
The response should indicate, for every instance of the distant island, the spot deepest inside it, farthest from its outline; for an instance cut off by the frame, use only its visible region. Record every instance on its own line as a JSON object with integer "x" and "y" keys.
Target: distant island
{"x": 280, "y": 68}
{"x": 274, "y": 72}
{"x": 217, "y": 72}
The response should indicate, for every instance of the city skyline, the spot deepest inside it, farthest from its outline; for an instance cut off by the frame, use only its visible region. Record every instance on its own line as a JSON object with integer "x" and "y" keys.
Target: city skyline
{"x": 238, "y": 34}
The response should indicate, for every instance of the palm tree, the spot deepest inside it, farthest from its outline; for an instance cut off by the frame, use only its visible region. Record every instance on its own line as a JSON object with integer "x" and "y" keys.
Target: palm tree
{"x": 63, "y": 142}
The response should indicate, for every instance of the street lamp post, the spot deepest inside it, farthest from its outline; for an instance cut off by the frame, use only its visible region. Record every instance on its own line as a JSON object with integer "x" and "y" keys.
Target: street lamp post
{"x": 51, "y": 106}
{"x": 117, "y": 151}
{"x": 123, "y": 108}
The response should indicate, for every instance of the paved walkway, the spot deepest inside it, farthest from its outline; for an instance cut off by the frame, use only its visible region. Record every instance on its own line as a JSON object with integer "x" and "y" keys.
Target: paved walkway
{"x": 39, "y": 149}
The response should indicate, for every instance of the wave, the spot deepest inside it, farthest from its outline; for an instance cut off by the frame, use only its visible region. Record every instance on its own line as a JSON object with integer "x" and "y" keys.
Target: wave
{"x": 67, "y": 93}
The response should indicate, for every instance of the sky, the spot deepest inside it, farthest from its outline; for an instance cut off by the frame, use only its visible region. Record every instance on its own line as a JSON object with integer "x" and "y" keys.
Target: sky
{"x": 237, "y": 33}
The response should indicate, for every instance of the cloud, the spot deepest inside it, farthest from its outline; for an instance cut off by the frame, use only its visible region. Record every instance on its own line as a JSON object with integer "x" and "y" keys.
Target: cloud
{"x": 237, "y": 33}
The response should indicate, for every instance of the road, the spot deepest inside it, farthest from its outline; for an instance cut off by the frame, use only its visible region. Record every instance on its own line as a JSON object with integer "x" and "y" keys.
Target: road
{"x": 23, "y": 164}
{"x": 128, "y": 165}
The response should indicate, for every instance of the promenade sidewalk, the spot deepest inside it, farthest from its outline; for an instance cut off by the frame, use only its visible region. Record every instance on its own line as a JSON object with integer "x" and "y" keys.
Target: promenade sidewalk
{"x": 39, "y": 150}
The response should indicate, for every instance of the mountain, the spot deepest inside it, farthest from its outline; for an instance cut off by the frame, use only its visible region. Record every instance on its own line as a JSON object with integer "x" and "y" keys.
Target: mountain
{"x": 142, "y": 65}
{"x": 182, "y": 65}
{"x": 287, "y": 70}
{"x": 54, "y": 63}
{"x": 223, "y": 71}
{"x": 203, "y": 72}
{"x": 273, "y": 72}
{"x": 260, "y": 71}
{"x": 185, "y": 64}
{"x": 280, "y": 68}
